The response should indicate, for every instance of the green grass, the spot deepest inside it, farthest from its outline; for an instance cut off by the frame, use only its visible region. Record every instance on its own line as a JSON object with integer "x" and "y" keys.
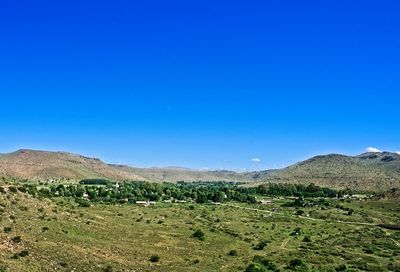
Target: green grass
{"x": 59, "y": 236}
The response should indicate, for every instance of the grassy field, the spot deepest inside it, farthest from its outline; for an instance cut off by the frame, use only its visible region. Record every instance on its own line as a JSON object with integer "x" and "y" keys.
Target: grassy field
{"x": 56, "y": 235}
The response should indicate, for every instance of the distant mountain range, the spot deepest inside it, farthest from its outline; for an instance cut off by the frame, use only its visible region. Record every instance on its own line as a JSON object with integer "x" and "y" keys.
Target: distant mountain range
{"x": 368, "y": 171}
{"x": 44, "y": 165}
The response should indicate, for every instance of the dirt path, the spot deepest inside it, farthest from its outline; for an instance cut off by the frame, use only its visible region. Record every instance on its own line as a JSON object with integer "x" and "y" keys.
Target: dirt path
{"x": 396, "y": 242}
{"x": 284, "y": 243}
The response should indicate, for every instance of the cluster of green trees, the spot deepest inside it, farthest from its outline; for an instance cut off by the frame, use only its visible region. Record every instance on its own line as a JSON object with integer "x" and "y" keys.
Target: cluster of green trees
{"x": 299, "y": 190}
{"x": 99, "y": 191}
{"x": 200, "y": 192}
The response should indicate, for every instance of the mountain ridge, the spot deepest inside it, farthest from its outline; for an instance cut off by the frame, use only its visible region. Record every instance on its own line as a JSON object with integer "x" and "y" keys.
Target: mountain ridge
{"x": 370, "y": 171}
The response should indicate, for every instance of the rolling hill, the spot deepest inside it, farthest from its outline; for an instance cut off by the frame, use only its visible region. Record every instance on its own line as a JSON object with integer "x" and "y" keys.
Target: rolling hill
{"x": 44, "y": 165}
{"x": 368, "y": 171}
{"x": 33, "y": 164}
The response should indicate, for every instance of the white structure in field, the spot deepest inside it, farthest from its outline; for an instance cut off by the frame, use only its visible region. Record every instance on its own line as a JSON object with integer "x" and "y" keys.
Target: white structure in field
{"x": 145, "y": 203}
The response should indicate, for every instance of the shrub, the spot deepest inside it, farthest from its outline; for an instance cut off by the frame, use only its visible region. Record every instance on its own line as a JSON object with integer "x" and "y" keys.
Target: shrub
{"x": 350, "y": 212}
{"x": 199, "y": 235}
{"x": 7, "y": 229}
{"x": 261, "y": 245}
{"x": 17, "y": 239}
{"x": 266, "y": 263}
{"x": 24, "y": 253}
{"x": 369, "y": 250}
{"x": 296, "y": 232}
{"x": 260, "y": 264}
{"x": 22, "y": 189}
{"x": 108, "y": 269}
{"x": 295, "y": 263}
{"x": 341, "y": 268}
{"x": 232, "y": 253}
{"x": 300, "y": 212}
{"x": 83, "y": 203}
{"x": 155, "y": 259}
{"x": 255, "y": 267}
{"x": 13, "y": 189}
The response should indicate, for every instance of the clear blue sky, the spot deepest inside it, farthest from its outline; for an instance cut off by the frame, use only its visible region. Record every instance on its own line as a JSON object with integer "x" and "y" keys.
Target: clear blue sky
{"x": 200, "y": 83}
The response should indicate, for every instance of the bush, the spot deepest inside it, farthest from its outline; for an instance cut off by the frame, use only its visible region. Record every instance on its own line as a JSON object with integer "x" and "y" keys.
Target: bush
{"x": 24, "y": 253}
{"x": 260, "y": 264}
{"x": 261, "y": 245}
{"x": 199, "y": 235}
{"x": 83, "y": 203}
{"x": 296, "y": 263}
{"x": 155, "y": 259}
{"x": 13, "y": 189}
{"x": 232, "y": 253}
{"x": 255, "y": 267}
{"x": 108, "y": 269}
{"x": 7, "y": 229}
{"x": 22, "y": 189}
{"x": 350, "y": 212}
{"x": 17, "y": 239}
{"x": 341, "y": 268}
{"x": 296, "y": 232}
{"x": 266, "y": 263}
{"x": 368, "y": 250}
{"x": 300, "y": 212}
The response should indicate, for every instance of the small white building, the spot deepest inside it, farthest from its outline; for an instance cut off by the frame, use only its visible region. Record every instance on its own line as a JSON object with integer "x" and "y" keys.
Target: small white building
{"x": 265, "y": 202}
{"x": 145, "y": 203}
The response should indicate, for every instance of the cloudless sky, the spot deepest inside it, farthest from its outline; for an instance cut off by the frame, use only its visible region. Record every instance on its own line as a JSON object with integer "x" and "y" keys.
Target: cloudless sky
{"x": 200, "y": 84}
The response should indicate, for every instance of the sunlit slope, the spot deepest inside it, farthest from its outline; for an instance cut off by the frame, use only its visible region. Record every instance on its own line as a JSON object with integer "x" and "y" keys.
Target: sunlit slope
{"x": 369, "y": 171}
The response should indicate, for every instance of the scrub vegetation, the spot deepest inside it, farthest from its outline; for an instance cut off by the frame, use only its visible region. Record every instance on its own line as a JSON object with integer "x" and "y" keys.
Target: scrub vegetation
{"x": 279, "y": 231}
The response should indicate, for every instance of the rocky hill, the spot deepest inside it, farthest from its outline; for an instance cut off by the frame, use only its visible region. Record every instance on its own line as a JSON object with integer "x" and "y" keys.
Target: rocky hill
{"x": 32, "y": 164}
{"x": 44, "y": 165}
{"x": 368, "y": 171}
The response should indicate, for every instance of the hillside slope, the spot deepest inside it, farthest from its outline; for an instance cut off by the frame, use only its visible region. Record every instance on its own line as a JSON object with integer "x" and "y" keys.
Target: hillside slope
{"x": 44, "y": 165}
{"x": 369, "y": 171}
{"x": 182, "y": 174}
{"x": 32, "y": 164}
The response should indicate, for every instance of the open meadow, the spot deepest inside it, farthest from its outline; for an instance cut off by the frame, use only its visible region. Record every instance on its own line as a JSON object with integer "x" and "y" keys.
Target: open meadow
{"x": 41, "y": 234}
